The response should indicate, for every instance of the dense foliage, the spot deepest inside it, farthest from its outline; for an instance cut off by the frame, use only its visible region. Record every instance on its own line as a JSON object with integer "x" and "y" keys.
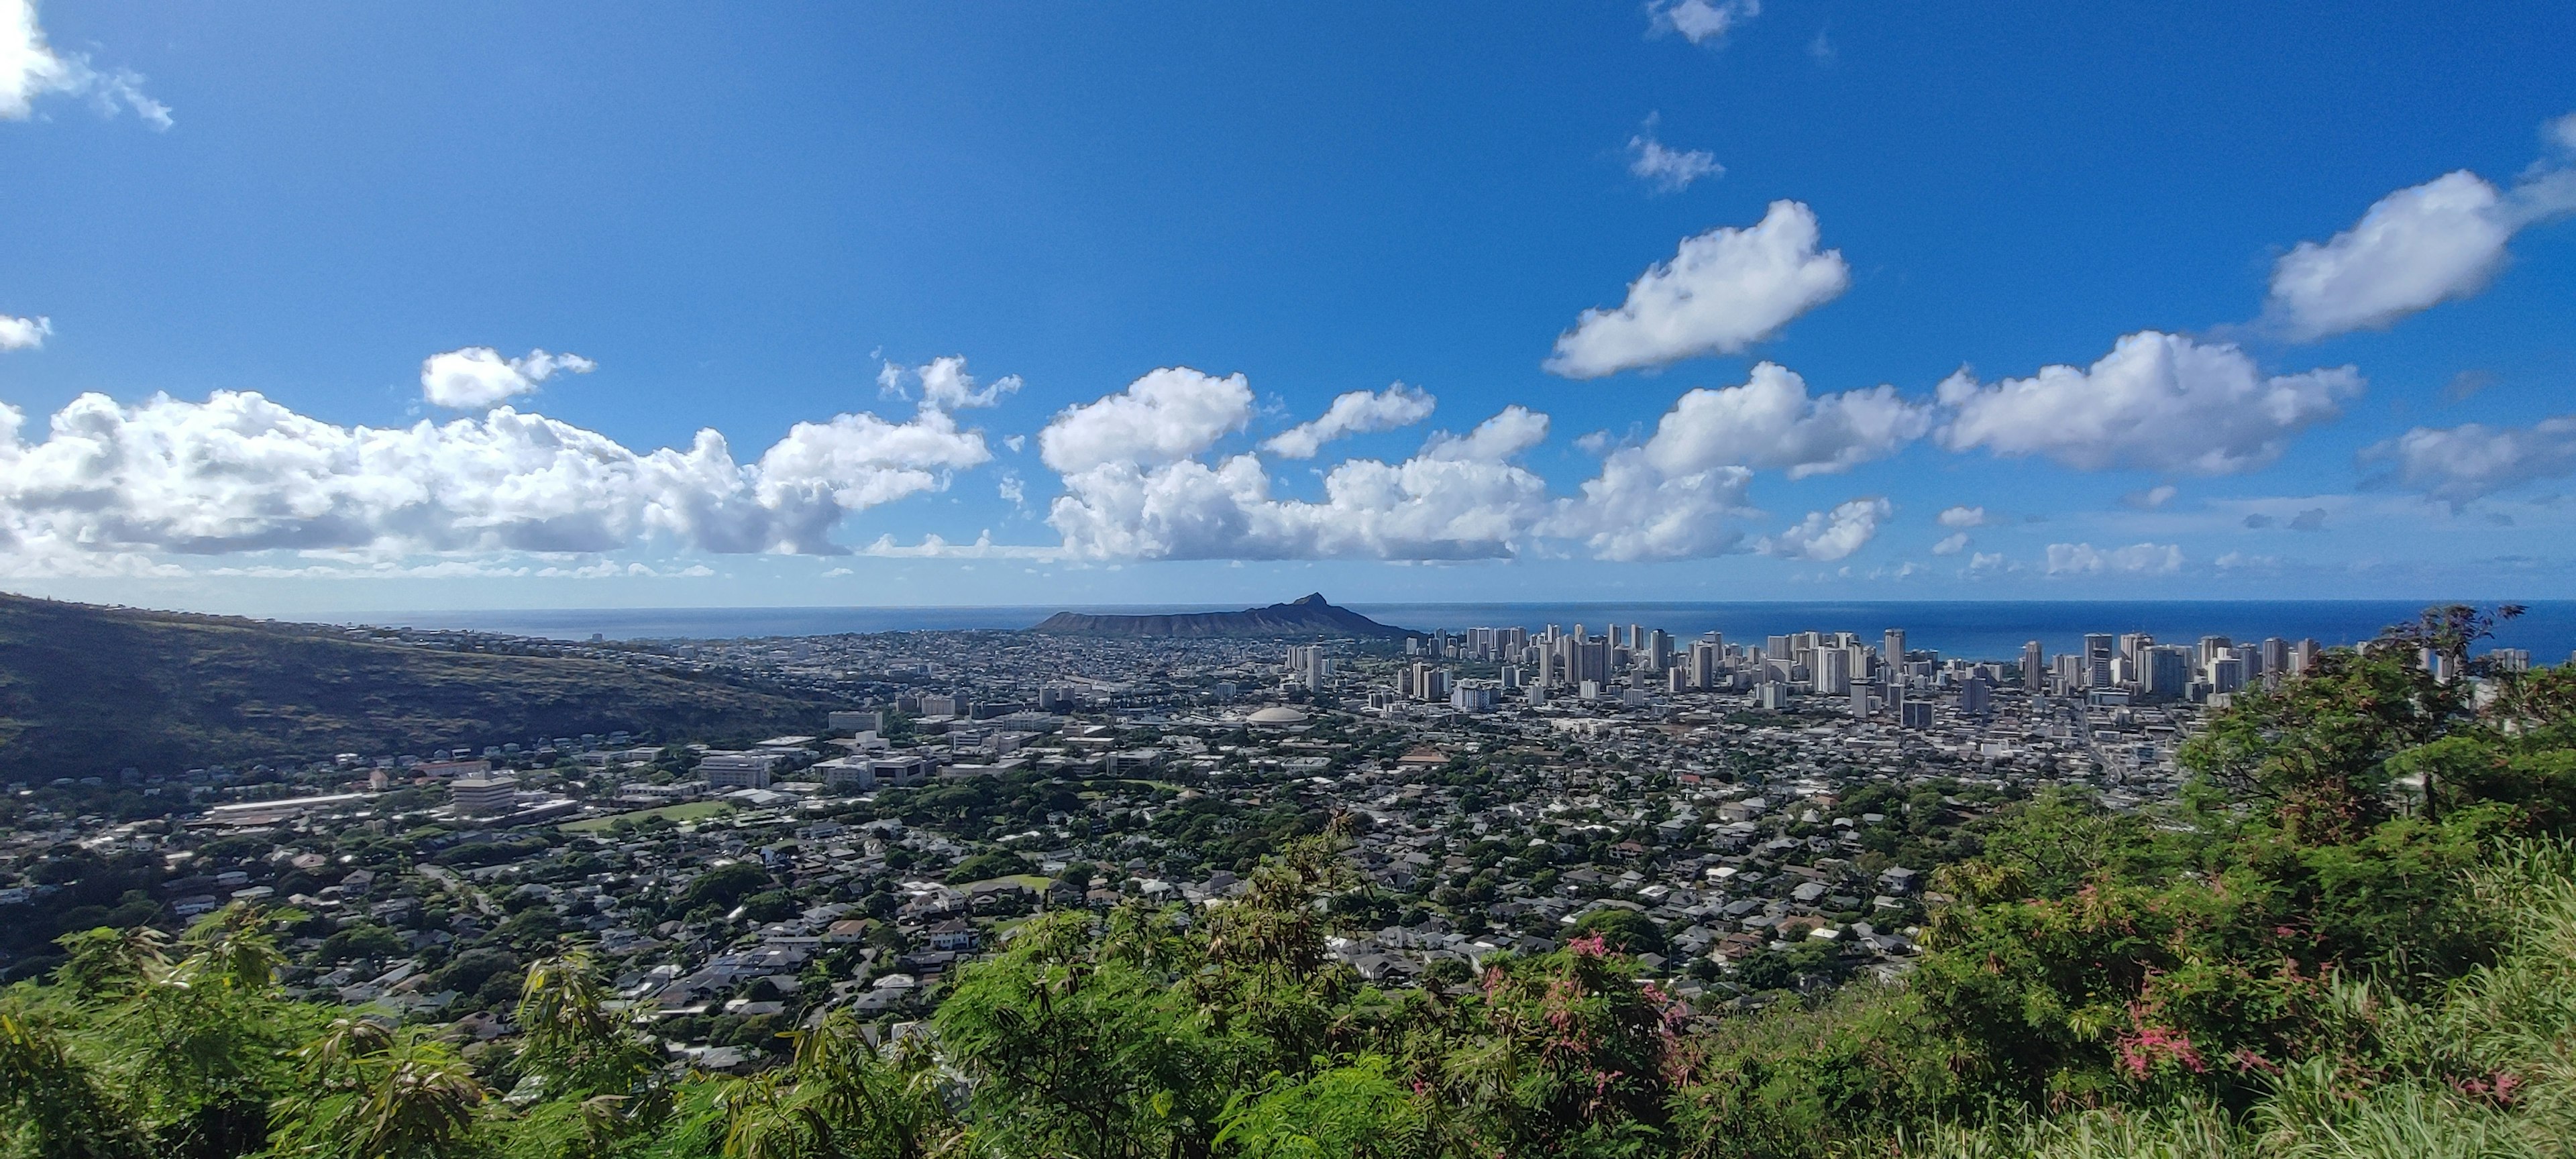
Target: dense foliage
{"x": 2357, "y": 936}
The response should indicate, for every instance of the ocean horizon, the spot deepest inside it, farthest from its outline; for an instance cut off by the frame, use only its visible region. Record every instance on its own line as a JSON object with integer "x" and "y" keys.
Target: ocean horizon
{"x": 1977, "y": 629}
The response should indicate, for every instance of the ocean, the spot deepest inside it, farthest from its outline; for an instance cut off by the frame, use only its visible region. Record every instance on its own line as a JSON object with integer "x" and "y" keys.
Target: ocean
{"x": 1971, "y": 629}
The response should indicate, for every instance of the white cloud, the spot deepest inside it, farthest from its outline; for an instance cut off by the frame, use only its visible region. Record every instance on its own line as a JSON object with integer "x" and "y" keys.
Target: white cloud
{"x": 1986, "y": 561}
{"x": 1702, "y": 21}
{"x": 1460, "y": 498}
{"x": 1723, "y": 291}
{"x": 1962, "y": 516}
{"x": 2136, "y": 559}
{"x": 2159, "y": 402}
{"x": 2152, "y": 497}
{"x": 1513, "y": 430}
{"x": 2417, "y": 248}
{"x": 477, "y": 376}
{"x": 2471, "y": 461}
{"x": 1667, "y": 169}
{"x": 935, "y": 547}
{"x": 1770, "y": 423}
{"x": 239, "y": 473}
{"x": 1012, "y": 490}
{"x": 1825, "y": 536}
{"x": 1357, "y": 412}
{"x": 1168, "y": 415}
{"x": 1678, "y": 495}
{"x": 24, "y": 333}
{"x": 1633, "y": 511}
{"x": 943, "y": 384}
{"x": 1952, "y": 544}
{"x": 30, "y": 68}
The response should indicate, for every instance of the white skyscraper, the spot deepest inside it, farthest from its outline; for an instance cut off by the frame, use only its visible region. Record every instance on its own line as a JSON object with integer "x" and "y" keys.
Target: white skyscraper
{"x": 1833, "y": 671}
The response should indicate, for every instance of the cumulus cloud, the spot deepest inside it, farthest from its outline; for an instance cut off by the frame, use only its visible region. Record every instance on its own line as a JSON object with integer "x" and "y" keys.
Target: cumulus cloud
{"x": 1825, "y": 536}
{"x": 1357, "y": 412}
{"x": 240, "y": 473}
{"x": 1962, "y": 516}
{"x": 2413, "y": 249}
{"x": 2416, "y": 248}
{"x": 1701, "y": 21}
{"x": 1666, "y": 169}
{"x": 2135, "y": 559}
{"x": 943, "y": 384}
{"x": 2158, "y": 402}
{"x": 1460, "y": 498}
{"x": 477, "y": 376}
{"x": 2150, "y": 498}
{"x": 2471, "y": 461}
{"x": 24, "y": 333}
{"x": 1679, "y": 495}
{"x": 1723, "y": 291}
{"x": 1770, "y": 423}
{"x": 1951, "y": 544}
{"x": 30, "y": 68}
{"x": 1168, "y": 415}
{"x": 1634, "y": 511}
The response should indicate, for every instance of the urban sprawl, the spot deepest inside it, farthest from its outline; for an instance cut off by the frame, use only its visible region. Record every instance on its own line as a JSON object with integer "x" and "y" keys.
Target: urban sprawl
{"x": 1758, "y": 816}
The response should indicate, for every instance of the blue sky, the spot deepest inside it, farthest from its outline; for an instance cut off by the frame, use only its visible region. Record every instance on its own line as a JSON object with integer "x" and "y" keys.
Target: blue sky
{"x": 2313, "y": 277}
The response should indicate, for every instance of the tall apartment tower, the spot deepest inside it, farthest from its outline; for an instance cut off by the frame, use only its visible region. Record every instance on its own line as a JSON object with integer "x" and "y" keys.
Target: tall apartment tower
{"x": 1893, "y": 650}
{"x": 1832, "y": 674}
{"x": 2098, "y": 654}
{"x": 2034, "y": 675}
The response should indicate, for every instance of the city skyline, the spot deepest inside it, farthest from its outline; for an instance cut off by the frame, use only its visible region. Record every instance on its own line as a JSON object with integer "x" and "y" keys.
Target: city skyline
{"x": 308, "y": 313}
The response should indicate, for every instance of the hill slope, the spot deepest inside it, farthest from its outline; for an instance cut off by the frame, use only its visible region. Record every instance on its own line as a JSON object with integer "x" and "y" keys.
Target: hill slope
{"x": 88, "y": 690}
{"x": 1308, "y": 615}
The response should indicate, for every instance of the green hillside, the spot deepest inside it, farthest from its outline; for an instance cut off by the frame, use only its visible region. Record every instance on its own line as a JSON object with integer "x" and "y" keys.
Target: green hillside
{"x": 88, "y": 690}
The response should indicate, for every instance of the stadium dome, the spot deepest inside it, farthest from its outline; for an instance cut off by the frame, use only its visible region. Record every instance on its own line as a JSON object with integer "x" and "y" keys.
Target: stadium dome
{"x": 1276, "y": 715}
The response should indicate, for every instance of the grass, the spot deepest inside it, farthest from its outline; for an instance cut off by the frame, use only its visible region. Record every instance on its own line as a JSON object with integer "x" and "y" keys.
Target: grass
{"x": 686, "y": 811}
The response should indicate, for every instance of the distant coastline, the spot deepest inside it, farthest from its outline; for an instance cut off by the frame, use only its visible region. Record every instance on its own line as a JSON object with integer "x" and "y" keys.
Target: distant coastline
{"x": 1977, "y": 629}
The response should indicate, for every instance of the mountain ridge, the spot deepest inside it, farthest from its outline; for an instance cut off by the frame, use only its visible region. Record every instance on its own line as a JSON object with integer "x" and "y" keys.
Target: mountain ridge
{"x": 88, "y": 690}
{"x": 1307, "y": 615}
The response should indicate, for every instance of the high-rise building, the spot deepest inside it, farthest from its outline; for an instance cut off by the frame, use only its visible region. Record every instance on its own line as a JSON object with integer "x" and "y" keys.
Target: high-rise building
{"x": 1892, "y": 648}
{"x": 2098, "y": 654}
{"x": 2227, "y": 673}
{"x": 2211, "y": 648}
{"x": 1975, "y": 696}
{"x": 1591, "y": 661}
{"x": 1659, "y": 650}
{"x": 2276, "y": 656}
{"x": 2303, "y": 656}
{"x": 1307, "y": 665}
{"x": 1832, "y": 671}
{"x": 2034, "y": 675}
{"x": 1860, "y": 699}
{"x": 1915, "y": 714}
{"x": 1703, "y": 664}
{"x": 2168, "y": 672}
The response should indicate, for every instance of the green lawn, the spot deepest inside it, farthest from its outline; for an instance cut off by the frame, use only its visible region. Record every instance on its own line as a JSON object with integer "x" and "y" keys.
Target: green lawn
{"x": 691, "y": 811}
